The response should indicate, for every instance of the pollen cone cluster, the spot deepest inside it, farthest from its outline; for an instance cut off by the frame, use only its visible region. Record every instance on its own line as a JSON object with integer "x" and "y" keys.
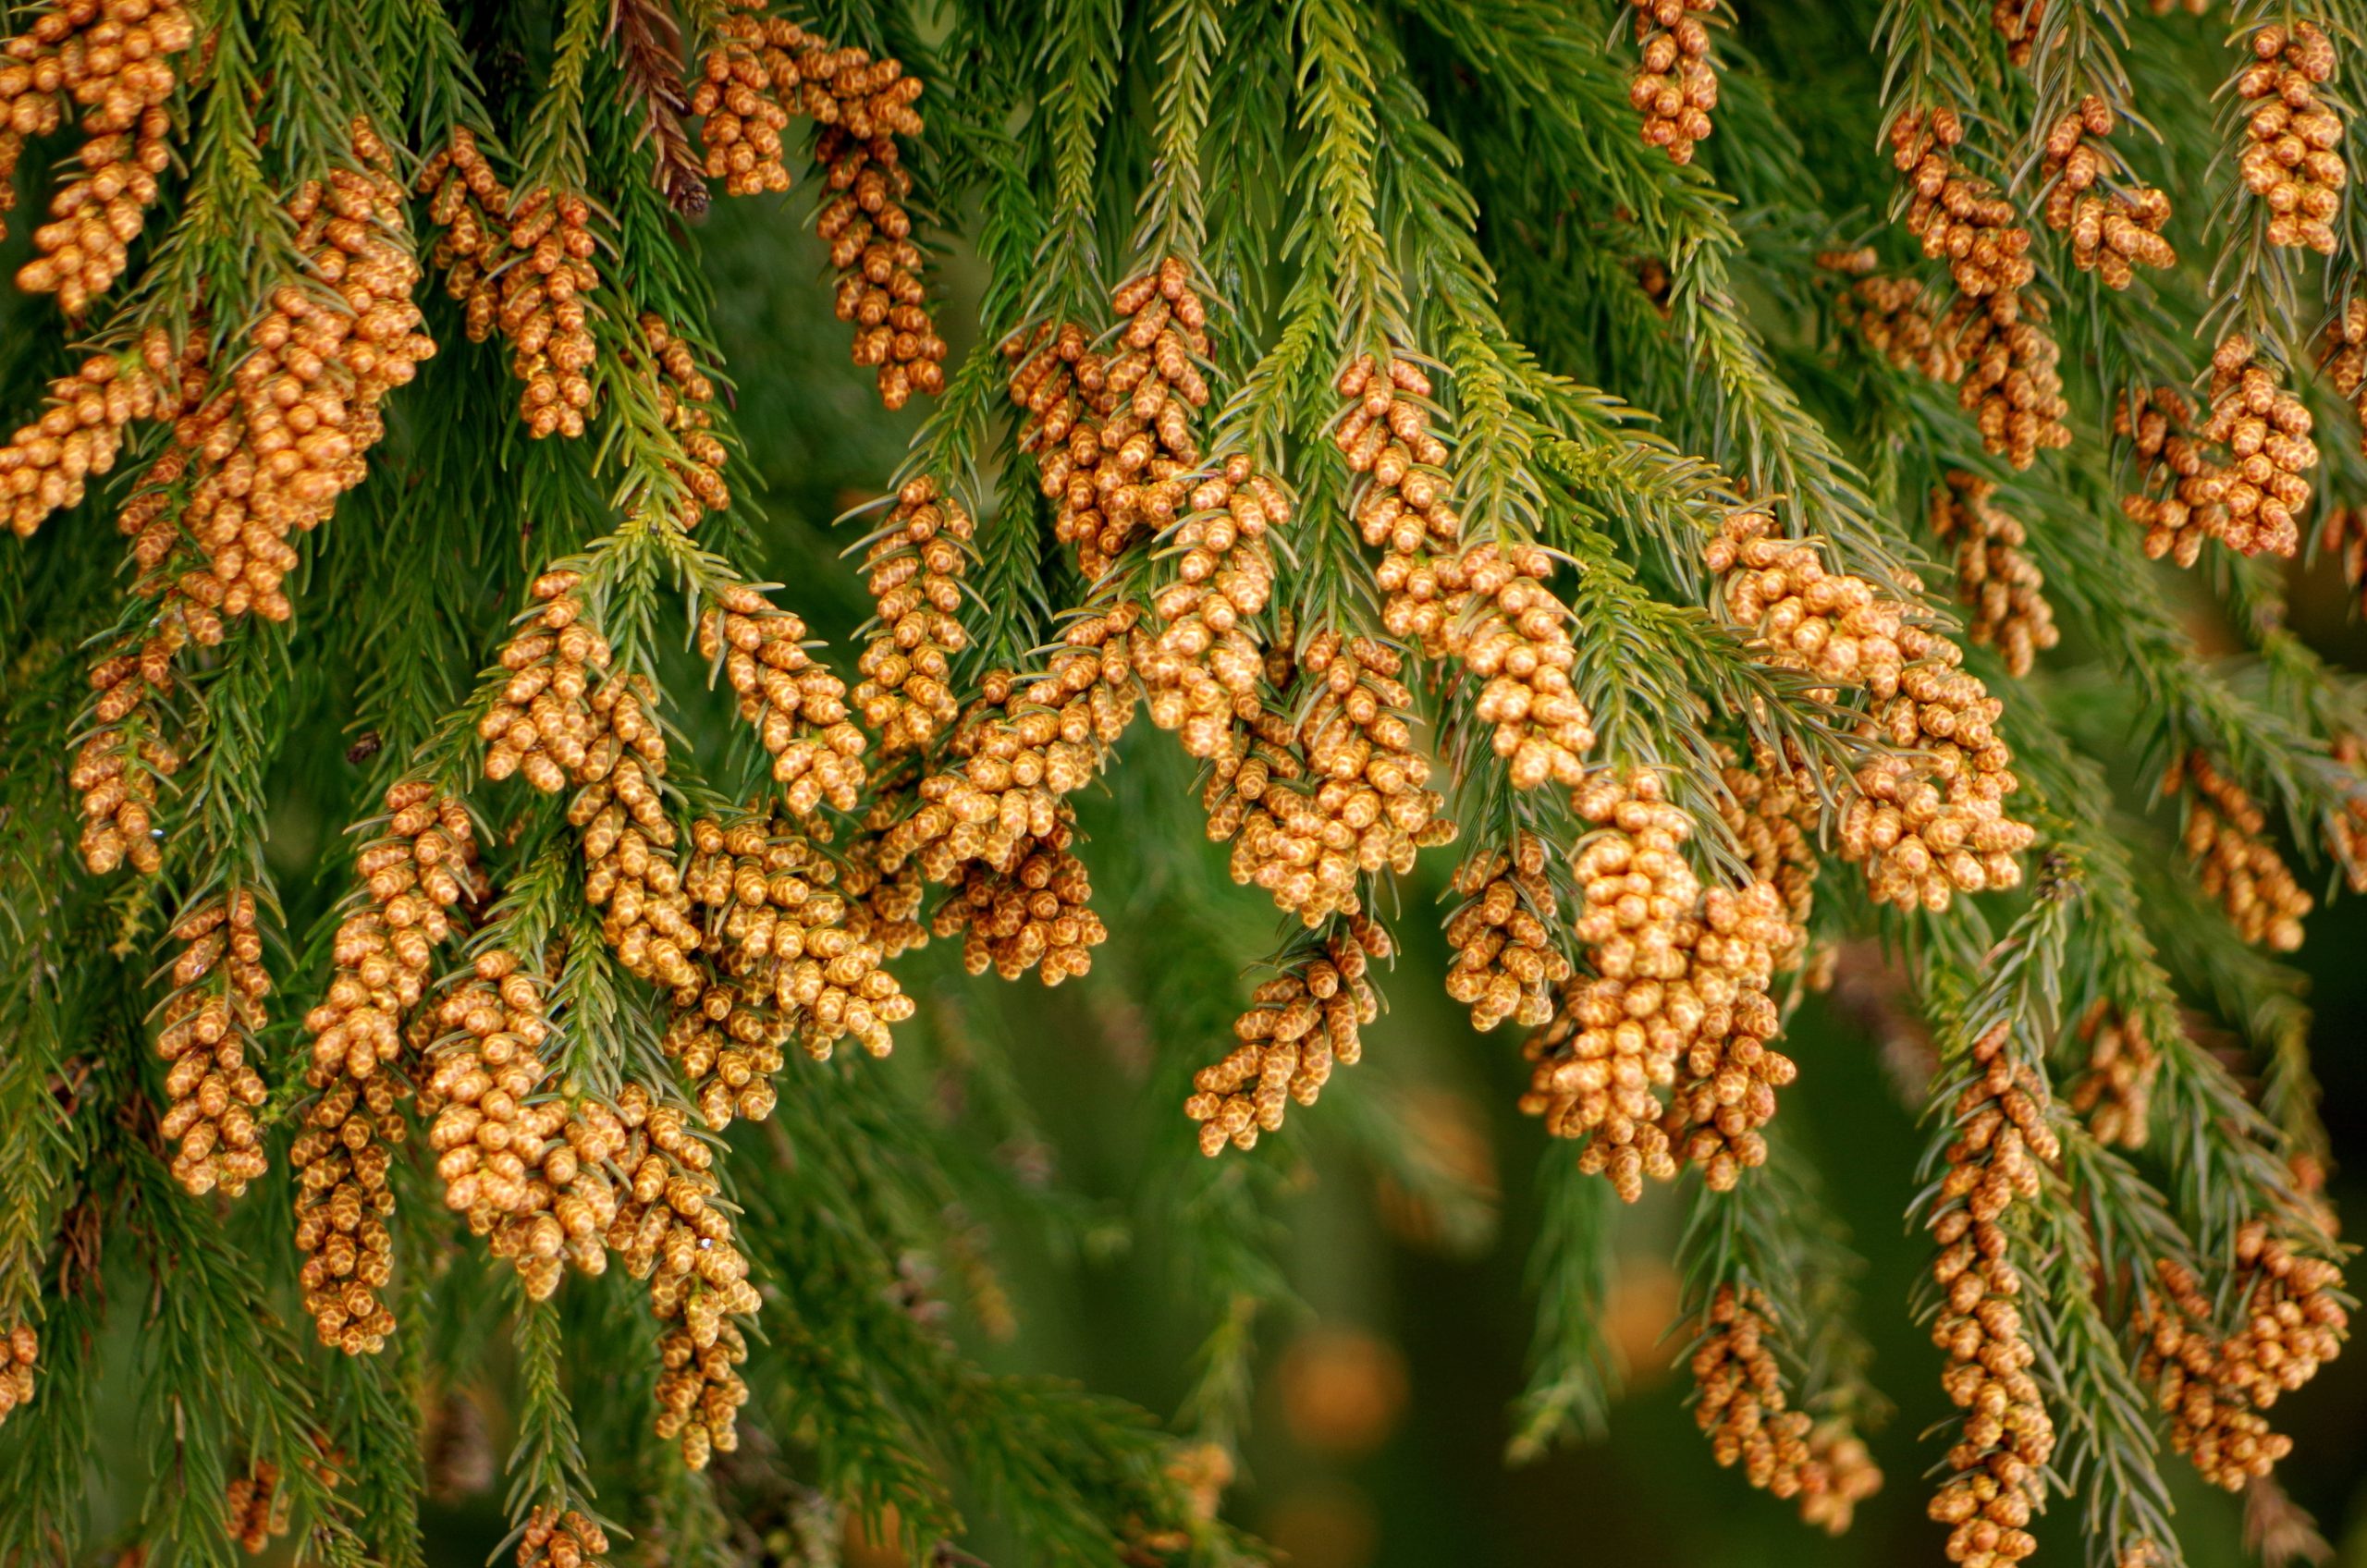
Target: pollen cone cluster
{"x": 2264, "y": 430}
{"x": 1299, "y": 1025}
{"x": 2291, "y": 1321}
{"x": 796, "y": 705}
{"x": 2184, "y": 499}
{"x": 1032, "y": 915}
{"x": 1898, "y": 316}
{"x": 19, "y": 1354}
{"x": 255, "y": 1509}
{"x": 117, "y": 766}
{"x": 2112, "y": 231}
{"x": 914, "y": 568}
{"x": 2114, "y": 1089}
{"x": 1199, "y": 656}
{"x": 1359, "y": 804}
{"x": 1484, "y": 606}
{"x": 748, "y": 81}
{"x": 1772, "y": 813}
{"x": 1506, "y": 963}
{"x": 2294, "y": 162}
{"x": 210, "y": 1023}
{"x": 685, "y": 405}
{"x": 47, "y": 465}
{"x": 1927, "y": 817}
{"x": 671, "y": 1230}
{"x": 1675, "y": 86}
{"x": 1996, "y": 329}
{"x": 1677, "y": 1003}
{"x": 414, "y": 877}
{"x": 1740, "y": 1403}
{"x": 1997, "y": 1468}
{"x": 1996, "y": 579}
{"x": 556, "y": 1539}
{"x": 2227, "y": 835}
{"x": 863, "y": 105}
{"x": 114, "y": 58}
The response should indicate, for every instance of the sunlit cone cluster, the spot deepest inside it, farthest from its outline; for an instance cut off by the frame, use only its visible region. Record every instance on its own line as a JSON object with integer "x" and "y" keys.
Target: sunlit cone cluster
{"x": 2112, "y": 231}
{"x": 1996, "y": 329}
{"x": 1061, "y": 383}
{"x": 1898, "y": 316}
{"x": 883, "y": 907}
{"x": 746, "y": 81}
{"x": 1485, "y": 607}
{"x": 2343, "y": 354}
{"x": 1997, "y": 1468}
{"x": 19, "y": 1354}
{"x": 1928, "y": 817}
{"x": 685, "y": 404}
{"x": 1675, "y": 85}
{"x": 2114, "y": 1089}
{"x": 2227, "y": 835}
{"x": 1677, "y": 1004}
{"x": 1199, "y": 656}
{"x": 2264, "y": 430}
{"x": 781, "y": 935}
{"x": 1032, "y": 915}
{"x": 414, "y": 876}
{"x": 2290, "y": 1323}
{"x": 1506, "y": 962}
{"x": 255, "y": 1508}
{"x": 2183, "y": 502}
{"x": 1996, "y": 579}
{"x": 864, "y": 104}
{"x": 2294, "y": 162}
{"x": 561, "y": 1539}
{"x": 114, "y": 58}
{"x": 1740, "y": 1403}
{"x": 117, "y": 766}
{"x": 1772, "y": 813}
{"x": 211, "y": 1019}
{"x": 796, "y": 705}
{"x": 914, "y": 568}
{"x": 671, "y": 1230}
{"x": 1368, "y": 809}
{"x": 1299, "y": 1025}
{"x": 525, "y": 1173}
{"x": 46, "y": 464}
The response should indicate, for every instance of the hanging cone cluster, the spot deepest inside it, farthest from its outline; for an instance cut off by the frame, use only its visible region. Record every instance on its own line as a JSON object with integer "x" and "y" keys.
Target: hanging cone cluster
{"x": 255, "y": 1510}
{"x": 686, "y": 406}
{"x": 1299, "y": 1025}
{"x": 914, "y": 568}
{"x": 1199, "y": 657}
{"x": 863, "y": 105}
{"x": 796, "y": 705}
{"x": 1675, "y": 85}
{"x": 114, "y": 58}
{"x": 1678, "y": 1003}
{"x": 749, "y": 70}
{"x": 2115, "y": 1090}
{"x": 211, "y": 1022}
{"x": 1928, "y": 818}
{"x": 1771, "y": 813}
{"x": 19, "y": 1354}
{"x": 116, "y": 768}
{"x": 2114, "y": 231}
{"x": 2294, "y": 162}
{"x": 1996, "y": 579}
{"x": 413, "y": 877}
{"x": 2215, "y": 1390}
{"x": 2227, "y": 835}
{"x": 1996, "y": 329}
{"x": 1740, "y": 1403}
{"x": 1031, "y": 915}
{"x": 1898, "y": 317}
{"x": 1506, "y": 962}
{"x": 671, "y": 1230}
{"x": 2266, "y": 431}
{"x": 46, "y": 464}
{"x": 1998, "y": 1466}
{"x": 556, "y": 1539}
{"x": 2016, "y": 22}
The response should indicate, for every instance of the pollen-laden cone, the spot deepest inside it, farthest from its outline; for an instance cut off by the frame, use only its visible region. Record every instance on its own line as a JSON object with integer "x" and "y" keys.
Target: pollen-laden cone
{"x": 1507, "y": 962}
{"x": 2346, "y": 833}
{"x": 547, "y": 277}
{"x": 1061, "y": 384}
{"x": 1675, "y": 85}
{"x": 2291, "y": 1322}
{"x": 2112, "y": 231}
{"x": 1741, "y": 1404}
{"x": 294, "y": 431}
{"x": 685, "y": 405}
{"x": 747, "y": 80}
{"x": 1150, "y": 458}
{"x": 115, "y": 59}
{"x": 562, "y": 1539}
{"x": 47, "y": 465}
{"x": 526, "y": 1173}
{"x": 1772, "y": 813}
{"x": 1362, "y": 805}
{"x": 1898, "y": 317}
{"x": 883, "y": 907}
{"x": 256, "y": 1510}
{"x": 1996, "y": 329}
{"x": 127, "y": 752}
{"x": 628, "y": 840}
{"x": 1996, "y": 1470}
{"x": 1926, "y": 817}
{"x": 543, "y": 725}
{"x": 19, "y": 1354}
{"x": 470, "y": 204}
{"x": 914, "y": 568}
{"x": 2114, "y": 1089}
{"x": 780, "y": 935}
{"x": 2227, "y": 835}
{"x": 796, "y": 706}
{"x": 1677, "y": 1003}
{"x": 863, "y": 105}
{"x": 211, "y": 1021}
{"x": 1199, "y": 657}
{"x": 2264, "y": 430}
{"x": 2183, "y": 501}
{"x": 671, "y": 1230}
{"x": 1996, "y": 579}
{"x": 2293, "y": 161}
{"x": 1299, "y": 1025}
{"x": 1033, "y": 916}
{"x": 413, "y": 877}
{"x": 2017, "y": 21}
